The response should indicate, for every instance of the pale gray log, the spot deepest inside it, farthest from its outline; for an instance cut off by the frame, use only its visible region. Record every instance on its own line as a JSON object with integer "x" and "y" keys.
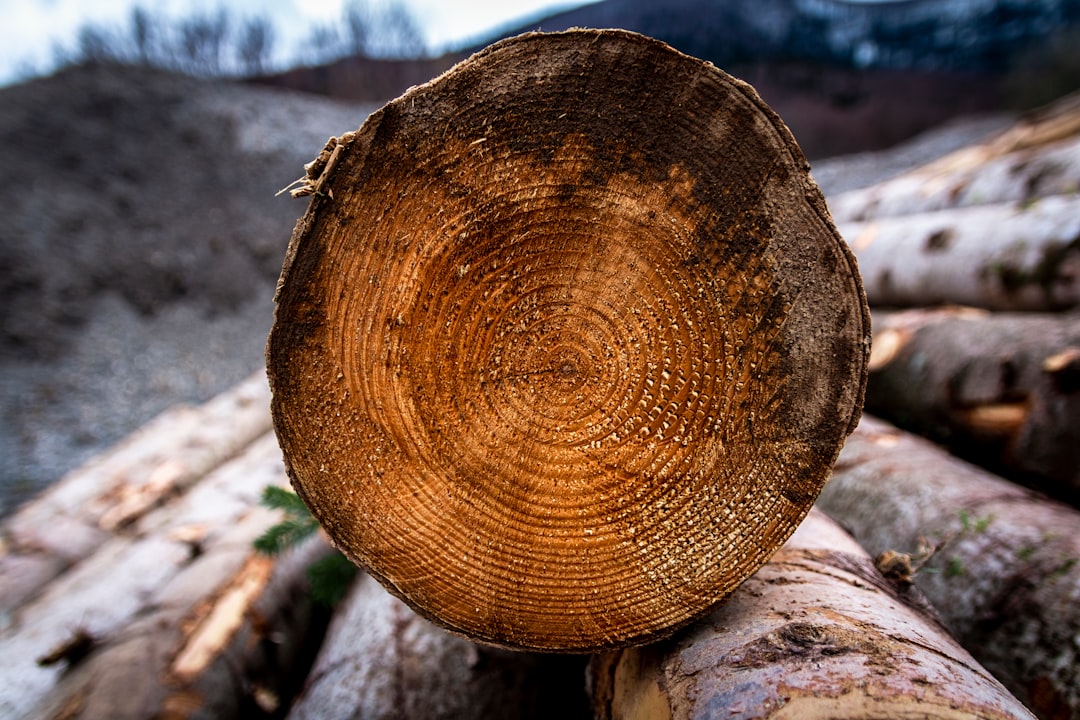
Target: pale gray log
{"x": 1007, "y": 579}
{"x": 1000, "y": 257}
{"x": 817, "y": 633}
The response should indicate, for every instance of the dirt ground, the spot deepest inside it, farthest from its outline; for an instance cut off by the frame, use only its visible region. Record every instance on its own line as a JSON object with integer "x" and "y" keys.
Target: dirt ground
{"x": 140, "y": 239}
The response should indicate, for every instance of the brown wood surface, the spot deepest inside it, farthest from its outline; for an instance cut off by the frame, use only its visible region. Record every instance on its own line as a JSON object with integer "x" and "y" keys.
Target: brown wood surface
{"x": 566, "y": 342}
{"x": 817, "y": 633}
{"x": 1001, "y": 563}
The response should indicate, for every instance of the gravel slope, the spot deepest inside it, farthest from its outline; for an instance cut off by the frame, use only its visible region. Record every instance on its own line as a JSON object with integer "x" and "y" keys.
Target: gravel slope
{"x": 140, "y": 238}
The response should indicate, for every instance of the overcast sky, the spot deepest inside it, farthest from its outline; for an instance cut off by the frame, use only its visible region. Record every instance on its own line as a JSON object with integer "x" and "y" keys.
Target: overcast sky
{"x": 31, "y": 28}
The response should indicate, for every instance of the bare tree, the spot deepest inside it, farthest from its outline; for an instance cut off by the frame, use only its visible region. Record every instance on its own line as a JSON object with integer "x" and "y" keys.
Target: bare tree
{"x": 142, "y": 33}
{"x": 400, "y": 33}
{"x": 95, "y": 44}
{"x": 357, "y": 22}
{"x": 324, "y": 44}
{"x": 202, "y": 40}
{"x": 367, "y": 29}
{"x": 254, "y": 46}
{"x": 214, "y": 44}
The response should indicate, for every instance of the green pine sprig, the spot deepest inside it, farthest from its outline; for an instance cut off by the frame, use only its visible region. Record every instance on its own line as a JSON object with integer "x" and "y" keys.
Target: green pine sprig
{"x": 279, "y": 498}
{"x": 297, "y": 525}
{"x": 329, "y": 577}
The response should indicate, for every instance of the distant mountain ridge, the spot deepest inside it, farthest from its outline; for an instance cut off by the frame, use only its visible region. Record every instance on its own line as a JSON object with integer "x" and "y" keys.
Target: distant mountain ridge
{"x": 958, "y": 35}
{"x": 846, "y": 76}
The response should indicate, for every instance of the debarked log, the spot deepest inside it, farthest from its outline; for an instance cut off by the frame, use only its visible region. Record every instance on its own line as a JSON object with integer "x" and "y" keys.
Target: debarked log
{"x": 105, "y": 496}
{"x": 221, "y": 640}
{"x": 146, "y": 592}
{"x": 1000, "y": 389}
{"x": 999, "y": 562}
{"x": 999, "y": 257}
{"x": 382, "y": 661}
{"x": 818, "y": 632}
{"x": 1038, "y": 157}
{"x": 566, "y": 342}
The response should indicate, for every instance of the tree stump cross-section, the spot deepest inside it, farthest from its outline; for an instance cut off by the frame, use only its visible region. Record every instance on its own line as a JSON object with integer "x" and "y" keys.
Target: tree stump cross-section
{"x": 566, "y": 342}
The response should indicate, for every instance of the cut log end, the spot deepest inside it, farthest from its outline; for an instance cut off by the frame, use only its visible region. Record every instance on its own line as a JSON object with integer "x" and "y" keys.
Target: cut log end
{"x": 566, "y": 343}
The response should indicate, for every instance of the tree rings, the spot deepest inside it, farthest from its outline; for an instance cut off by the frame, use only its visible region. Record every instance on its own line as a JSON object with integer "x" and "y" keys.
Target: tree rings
{"x": 566, "y": 343}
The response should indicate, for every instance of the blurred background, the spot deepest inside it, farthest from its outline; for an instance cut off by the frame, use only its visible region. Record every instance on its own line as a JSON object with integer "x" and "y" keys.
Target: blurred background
{"x": 143, "y": 146}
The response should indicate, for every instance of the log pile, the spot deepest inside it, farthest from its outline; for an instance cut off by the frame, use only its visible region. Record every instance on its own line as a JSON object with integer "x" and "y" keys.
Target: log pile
{"x": 972, "y": 266}
{"x": 131, "y": 588}
{"x": 993, "y": 226}
{"x": 972, "y": 269}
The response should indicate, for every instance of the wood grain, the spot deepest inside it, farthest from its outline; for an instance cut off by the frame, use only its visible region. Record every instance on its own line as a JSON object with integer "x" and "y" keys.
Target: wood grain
{"x": 566, "y": 342}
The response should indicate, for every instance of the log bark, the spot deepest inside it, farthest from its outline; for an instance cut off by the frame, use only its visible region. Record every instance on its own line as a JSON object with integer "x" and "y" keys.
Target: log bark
{"x": 1006, "y": 573}
{"x": 143, "y": 597}
{"x": 566, "y": 342}
{"x": 999, "y": 257}
{"x": 1001, "y": 389}
{"x": 818, "y": 632}
{"x": 382, "y": 661}
{"x": 221, "y": 640}
{"x": 106, "y": 496}
{"x": 1038, "y": 157}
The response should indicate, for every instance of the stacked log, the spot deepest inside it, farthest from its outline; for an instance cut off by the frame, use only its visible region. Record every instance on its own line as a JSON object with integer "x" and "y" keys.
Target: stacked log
{"x": 1000, "y": 388}
{"x": 383, "y": 661}
{"x": 131, "y": 589}
{"x": 1000, "y": 563}
{"x": 994, "y": 225}
{"x": 106, "y": 496}
{"x": 172, "y": 608}
{"x": 1038, "y": 157}
{"x": 817, "y": 633}
{"x": 1000, "y": 257}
